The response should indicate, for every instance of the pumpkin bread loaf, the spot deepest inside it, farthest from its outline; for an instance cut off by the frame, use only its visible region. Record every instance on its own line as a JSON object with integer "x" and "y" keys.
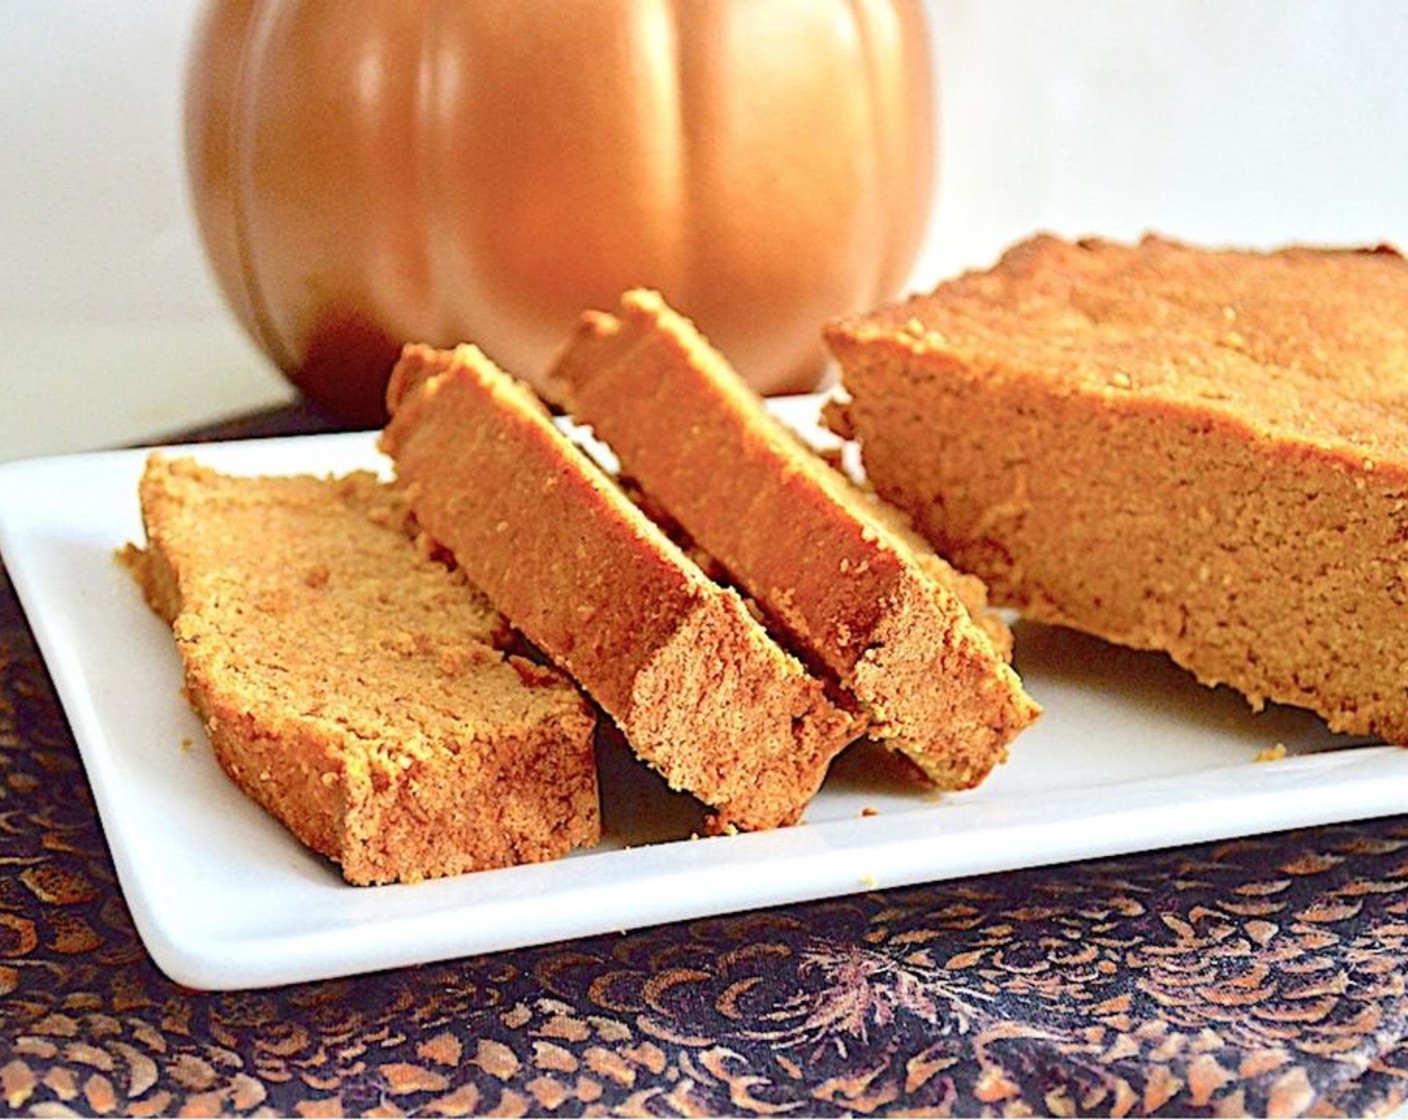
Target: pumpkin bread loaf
{"x": 694, "y": 682}
{"x": 1195, "y": 451}
{"x": 351, "y": 683}
{"x": 848, "y": 583}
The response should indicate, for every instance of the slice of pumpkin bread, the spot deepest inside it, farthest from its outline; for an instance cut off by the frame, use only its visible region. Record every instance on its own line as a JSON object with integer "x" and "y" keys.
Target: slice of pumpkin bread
{"x": 850, "y": 585}
{"x": 694, "y": 682}
{"x": 1196, "y": 451}
{"x": 350, "y": 682}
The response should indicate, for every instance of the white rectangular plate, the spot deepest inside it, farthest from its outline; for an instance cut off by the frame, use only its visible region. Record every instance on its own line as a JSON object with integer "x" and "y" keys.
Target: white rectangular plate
{"x": 1130, "y": 755}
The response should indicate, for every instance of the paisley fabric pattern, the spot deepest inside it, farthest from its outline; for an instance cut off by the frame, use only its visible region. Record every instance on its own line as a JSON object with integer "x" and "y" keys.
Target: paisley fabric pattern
{"x": 1262, "y": 976}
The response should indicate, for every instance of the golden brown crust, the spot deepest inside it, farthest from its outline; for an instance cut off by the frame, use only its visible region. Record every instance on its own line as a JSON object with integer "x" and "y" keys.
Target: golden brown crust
{"x": 1178, "y": 449}
{"x": 352, "y": 686}
{"x": 844, "y": 578}
{"x": 699, "y": 690}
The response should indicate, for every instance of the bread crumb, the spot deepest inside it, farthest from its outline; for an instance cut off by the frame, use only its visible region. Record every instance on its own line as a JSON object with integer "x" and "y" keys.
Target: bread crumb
{"x": 1271, "y": 754}
{"x": 870, "y": 811}
{"x": 869, "y": 882}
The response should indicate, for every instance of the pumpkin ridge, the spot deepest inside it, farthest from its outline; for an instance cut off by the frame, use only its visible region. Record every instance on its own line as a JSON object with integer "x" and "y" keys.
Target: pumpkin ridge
{"x": 241, "y": 140}
{"x": 884, "y": 34}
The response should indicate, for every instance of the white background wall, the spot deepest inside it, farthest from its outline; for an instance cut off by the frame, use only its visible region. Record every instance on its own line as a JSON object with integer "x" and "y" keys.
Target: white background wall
{"x": 1225, "y": 121}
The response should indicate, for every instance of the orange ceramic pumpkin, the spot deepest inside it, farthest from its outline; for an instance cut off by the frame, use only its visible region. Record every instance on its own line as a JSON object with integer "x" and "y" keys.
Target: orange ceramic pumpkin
{"x": 364, "y": 174}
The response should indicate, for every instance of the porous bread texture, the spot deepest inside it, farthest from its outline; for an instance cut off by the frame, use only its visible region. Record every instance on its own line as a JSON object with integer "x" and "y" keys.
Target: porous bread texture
{"x": 1197, "y": 451}
{"x": 695, "y": 684}
{"x": 352, "y": 685}
{"x": 850, "y": 585}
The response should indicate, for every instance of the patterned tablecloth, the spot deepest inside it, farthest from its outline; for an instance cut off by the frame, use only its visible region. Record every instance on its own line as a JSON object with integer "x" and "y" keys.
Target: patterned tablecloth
{"x": 1262, "y": 976}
